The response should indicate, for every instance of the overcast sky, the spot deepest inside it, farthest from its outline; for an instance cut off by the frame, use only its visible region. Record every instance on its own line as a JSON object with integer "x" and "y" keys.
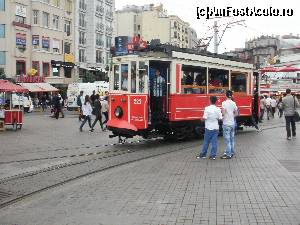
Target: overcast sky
{"x": 236, "y": 36}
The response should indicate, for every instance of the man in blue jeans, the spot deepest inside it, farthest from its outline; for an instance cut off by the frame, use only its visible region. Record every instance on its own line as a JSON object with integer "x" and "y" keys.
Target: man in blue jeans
{"x": 229, "y": 111}
{"x": 212, "y": 115}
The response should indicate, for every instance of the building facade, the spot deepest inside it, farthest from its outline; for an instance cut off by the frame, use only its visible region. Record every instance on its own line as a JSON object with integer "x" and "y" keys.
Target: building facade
{"x": 39, "y": 35}
{"x": 152, "y": 22}
{"x": 93, "y": 36}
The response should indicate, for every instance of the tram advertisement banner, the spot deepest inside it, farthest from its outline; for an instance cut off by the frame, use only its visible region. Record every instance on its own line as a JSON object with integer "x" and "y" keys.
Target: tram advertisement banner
{"x": 139, "y": 111}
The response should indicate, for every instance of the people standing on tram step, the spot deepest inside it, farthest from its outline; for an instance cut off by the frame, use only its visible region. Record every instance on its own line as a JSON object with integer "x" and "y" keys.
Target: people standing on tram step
{"x": 290, "y": 103}
{"x": 229, "y": 112}
{"x": 93, "y": 98}
{"x": 262, "y": 106}
{"x": 86, "y": 112}
{"x": 158, "y": 94}
{"x": 104, "y": 109}
{"x": 269, "y": 107}
{"x": 273, "y": 105}
{"x": 79, "y": 102}
{"x": 212, "y": 115}
{"x": 280, "y": 107}
{"x": 97, "y": 112}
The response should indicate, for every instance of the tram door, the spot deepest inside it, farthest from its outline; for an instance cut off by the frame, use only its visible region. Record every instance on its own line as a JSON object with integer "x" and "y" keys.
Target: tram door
{"x": 159, "y": 79}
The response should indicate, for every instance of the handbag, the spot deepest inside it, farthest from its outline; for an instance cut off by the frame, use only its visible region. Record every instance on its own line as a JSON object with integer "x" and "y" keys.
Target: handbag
{"x": 296, "y": 114}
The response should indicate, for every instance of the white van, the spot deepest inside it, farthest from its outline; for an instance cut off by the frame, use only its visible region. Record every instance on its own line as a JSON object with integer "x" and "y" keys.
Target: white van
{"x": 22, "y": 101}
{"x": 74, "y": 90}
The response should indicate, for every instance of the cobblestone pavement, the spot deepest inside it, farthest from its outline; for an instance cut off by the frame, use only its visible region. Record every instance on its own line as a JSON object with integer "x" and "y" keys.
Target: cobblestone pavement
{"x": 261, "y": 185}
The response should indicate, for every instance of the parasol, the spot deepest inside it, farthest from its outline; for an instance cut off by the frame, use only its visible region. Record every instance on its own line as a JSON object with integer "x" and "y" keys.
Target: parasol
{"x": 6, "y": 86}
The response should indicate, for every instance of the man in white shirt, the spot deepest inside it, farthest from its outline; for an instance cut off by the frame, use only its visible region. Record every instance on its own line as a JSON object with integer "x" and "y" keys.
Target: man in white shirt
{"x": 212, "y": 115}
{"x": 104, "y": 109}
{"x": 229, "y": 111}
{"x": 269, "y": 107}
{"x": 273, "y": 105}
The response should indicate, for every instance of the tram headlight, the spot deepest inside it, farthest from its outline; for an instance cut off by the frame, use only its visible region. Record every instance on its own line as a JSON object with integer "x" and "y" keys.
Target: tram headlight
{"x": 118, "y": 112}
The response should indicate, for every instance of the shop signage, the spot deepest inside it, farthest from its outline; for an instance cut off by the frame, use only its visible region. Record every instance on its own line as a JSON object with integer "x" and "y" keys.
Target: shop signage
{"x": 45, "y": 42}
{"x": 20, "y": 10}
{"x": 20, "y": 39}
{"x": 35, "y": 40}
{"x": 69, "y": 58}
{"x": 30, "y": 79}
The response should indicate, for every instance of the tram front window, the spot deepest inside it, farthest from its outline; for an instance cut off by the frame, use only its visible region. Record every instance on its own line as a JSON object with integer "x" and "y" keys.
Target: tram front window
{"x": 124, "y": 77}
{"x": 133, "y": 77}
{"x": 218, "y": 81}
{"x": 239, "y": 82}
{"x": 116, "y": 77}
{"x": 193, "y": 80}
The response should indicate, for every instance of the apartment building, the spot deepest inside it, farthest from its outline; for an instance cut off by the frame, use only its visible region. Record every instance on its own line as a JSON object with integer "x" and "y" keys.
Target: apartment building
{"x": 152, "y": 22}
{"x": 38, "y": 34}
{"x": 93, "y": 36}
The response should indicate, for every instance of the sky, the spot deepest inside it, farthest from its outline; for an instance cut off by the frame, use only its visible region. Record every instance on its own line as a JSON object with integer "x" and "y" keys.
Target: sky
{"x": 235, "y": 36}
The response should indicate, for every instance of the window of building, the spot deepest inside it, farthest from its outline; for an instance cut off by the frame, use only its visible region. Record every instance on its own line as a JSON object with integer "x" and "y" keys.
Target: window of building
{"x": 36, "y": 66}
{"x": 99, "y": 41}
{"x": 46, "y": 1}
{"x": 2, "y": 30}
{"x": 81, "y": 38}
{"x": 67, "y": 27}
{"x": 175, "y": 24}
{"x": 81, "y": 55}
{"x": 45, "y": 19}
{"x": 46, "y": 69}
{"x": 68, "y": 72}
{"x": 108, "y": 42}
{"x": 2, "y": 58}
{"x": 55, "y": 71}
{"x": 20, "y": 68}
{"x": 20, "y": 19}
{"x": 2, "y": 5}
{"x": 82, "y": 4}
{"x": 46, "y": 43}
{"x": 238, "y": 82}
{"x": 175, "y": 34}
{"x": 35, "y": 16}
{"x": 193, "y": 80}
{"x": 82, "y": 22}
{"x": 56, "y": 3}
{"x": 68, "y": 6}
{"x": 56, "y": 22}
{"x": 107, "y": 57}
{"x": 67, "y": 47}
{"x": 56, "y": 45}
{"x": 139, "y": 27}
{"x": 98, "y": 56}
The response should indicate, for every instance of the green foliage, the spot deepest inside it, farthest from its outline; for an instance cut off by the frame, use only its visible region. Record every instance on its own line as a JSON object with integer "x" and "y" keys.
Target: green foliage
{"x": 2, "y": 74}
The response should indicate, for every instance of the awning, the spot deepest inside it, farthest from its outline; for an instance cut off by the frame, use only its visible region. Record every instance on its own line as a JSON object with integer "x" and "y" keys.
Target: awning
{"x": 39, "y": 87}
{"x": 6, "y": 86}
{"x": 47, "y": 87}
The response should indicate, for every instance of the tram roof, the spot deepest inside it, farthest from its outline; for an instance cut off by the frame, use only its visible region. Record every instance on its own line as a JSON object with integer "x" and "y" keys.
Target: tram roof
{"x": 169, "y": 51}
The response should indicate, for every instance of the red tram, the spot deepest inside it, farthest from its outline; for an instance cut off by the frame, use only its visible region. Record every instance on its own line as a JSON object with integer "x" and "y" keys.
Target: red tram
{"x": 164, "y": 93}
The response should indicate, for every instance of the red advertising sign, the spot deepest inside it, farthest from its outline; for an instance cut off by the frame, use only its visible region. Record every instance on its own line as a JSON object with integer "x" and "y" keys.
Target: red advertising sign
{"x": 30, "y": 79}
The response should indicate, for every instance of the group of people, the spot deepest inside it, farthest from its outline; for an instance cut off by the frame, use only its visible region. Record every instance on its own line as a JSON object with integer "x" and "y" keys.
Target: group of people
{"x": 268, "y": 105}
{"x": 91, "y": 105}
{"x": 212, "y": 115}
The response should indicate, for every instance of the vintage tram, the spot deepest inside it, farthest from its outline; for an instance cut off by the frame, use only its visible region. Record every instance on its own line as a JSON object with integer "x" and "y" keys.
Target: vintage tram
{"x": 164, "y": 92}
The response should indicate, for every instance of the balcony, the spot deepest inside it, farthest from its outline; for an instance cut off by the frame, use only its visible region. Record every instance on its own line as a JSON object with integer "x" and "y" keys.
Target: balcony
{"x": 109, "y": 30}
{"x": 100, "y": 27}
{"x": 109, "y": 16}
{"x": 109, "y": 2}
{"x": 99, "y": 11}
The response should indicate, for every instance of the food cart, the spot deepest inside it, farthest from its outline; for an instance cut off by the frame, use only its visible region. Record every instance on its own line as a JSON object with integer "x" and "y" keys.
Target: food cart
{"x": 12, "y": 116}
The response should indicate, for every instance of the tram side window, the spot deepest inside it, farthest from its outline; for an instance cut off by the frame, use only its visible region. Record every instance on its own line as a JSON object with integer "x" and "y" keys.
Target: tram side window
{"x": 116, "y": 77}
{"x": 218, "y": 81}
{"x": 193, "y": 80}
{"x": 143, "y": 70}
{"x": 239, "y": 82}
{"x": 133, "y": 77}
{"x": 124, "y": 77}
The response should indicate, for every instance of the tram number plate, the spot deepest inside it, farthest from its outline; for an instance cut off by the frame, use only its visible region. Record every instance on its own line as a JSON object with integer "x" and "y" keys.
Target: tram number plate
{"x": 137, "y": 101}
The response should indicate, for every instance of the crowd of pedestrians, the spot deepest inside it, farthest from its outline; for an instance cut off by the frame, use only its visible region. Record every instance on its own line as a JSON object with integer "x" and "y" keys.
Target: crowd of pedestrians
{"x": 286, "y": 106}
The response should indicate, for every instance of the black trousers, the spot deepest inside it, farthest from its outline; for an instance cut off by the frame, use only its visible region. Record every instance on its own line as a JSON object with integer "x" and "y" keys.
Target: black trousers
{"x": 98, "y": 118}
{"x": 290, "y": 121}
{"x": 106, "y": 117}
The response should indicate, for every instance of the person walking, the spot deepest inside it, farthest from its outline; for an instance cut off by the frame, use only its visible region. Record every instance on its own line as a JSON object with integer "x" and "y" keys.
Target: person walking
{"x": 104, "y": 109}
{"x": 262, "y": 108}
{"x": 273, "y": 105}
{"x": 97, "y": 113}
{"x": 44, "y": 103}
{"x": 61, "y": 101}
{"x": 56, "y": 105}
{"x": 79, "y": 102}
{"x": 280, "y": 107}
{"x": 86, "y": 112}
{"x": 290, "y": 103}
{"x": 93, "y": 98}
{"x": 269, "y": 107}
{"x": 212, "y": 115}
{"x": 229, "y": 112}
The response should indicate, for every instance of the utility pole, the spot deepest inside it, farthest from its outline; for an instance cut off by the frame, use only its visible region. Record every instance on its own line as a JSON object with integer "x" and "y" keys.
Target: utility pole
{"x": 216, "y": 42}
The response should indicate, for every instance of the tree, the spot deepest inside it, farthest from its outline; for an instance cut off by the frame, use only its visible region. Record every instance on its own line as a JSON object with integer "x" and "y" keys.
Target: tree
{"x": 2, "y": 74}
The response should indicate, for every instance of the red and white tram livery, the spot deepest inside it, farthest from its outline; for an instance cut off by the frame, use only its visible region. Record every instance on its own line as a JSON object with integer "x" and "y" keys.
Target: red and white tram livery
{"x": 164, "y": 93}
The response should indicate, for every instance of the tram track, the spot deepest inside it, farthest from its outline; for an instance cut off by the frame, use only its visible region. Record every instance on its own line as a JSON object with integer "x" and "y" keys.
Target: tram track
{"x": 21, "y": 186}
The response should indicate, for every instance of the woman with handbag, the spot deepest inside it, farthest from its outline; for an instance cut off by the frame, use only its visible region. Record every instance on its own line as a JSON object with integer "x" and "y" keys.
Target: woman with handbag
{"x": 87, "y": 112}
{"x": 290, "y": 105}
